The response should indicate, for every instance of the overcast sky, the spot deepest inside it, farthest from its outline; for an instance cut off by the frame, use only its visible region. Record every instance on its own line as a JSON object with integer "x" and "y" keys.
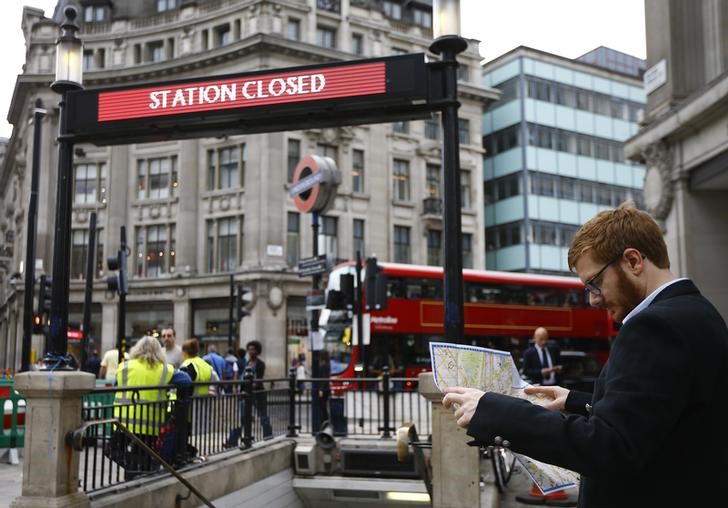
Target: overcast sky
{"x": 568, "y": 28}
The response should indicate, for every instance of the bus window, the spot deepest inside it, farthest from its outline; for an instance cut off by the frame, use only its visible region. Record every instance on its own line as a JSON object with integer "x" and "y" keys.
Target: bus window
{"x": 396, "y": 287}
{"x": 424, "y": 289}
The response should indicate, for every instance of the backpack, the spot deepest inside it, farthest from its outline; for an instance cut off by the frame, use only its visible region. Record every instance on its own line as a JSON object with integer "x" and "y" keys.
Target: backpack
{"x": 229, "y": 370}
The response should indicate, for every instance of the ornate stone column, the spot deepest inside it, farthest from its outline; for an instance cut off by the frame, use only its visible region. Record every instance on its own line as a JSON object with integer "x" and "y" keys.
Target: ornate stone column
{"x": 455, "y": 465}
{"x": 50, "y": 466}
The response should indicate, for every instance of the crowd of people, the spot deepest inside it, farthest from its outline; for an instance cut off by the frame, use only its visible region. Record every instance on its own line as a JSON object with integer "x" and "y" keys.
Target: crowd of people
{"x": 162, "y": 361}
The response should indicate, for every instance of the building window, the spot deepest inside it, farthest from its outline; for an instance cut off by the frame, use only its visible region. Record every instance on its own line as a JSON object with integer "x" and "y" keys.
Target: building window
{"x": 157, "y": 178}
{"x": 432, "y": 181}
{"x": 392, "y": 9}
{"x": 401, "y": 180}
{"x": 226, "y": 168}
{"x": 330, "y": 151}
{"x": 155, "y": 250}
{"x": 88, "y": 60}
{"x": 293, "y": 239}
{"x": 223, "y": 35}
{"x": 90, "y": 184}
{"x": 357, "y": 171}
{"x": 327, "y": 239}
{"x": 325, "y": 37}
{"x": 463, "y": 72}
{"x": 293, "y": 29}
{"x": 401, "y": 244}
{"x": 79, "y": 248}
{"x": 155, "y": 51}
{"x": 294, "y": 156}
{"x": 359, "y": 246}
{"x": 329, "y": 5}
{"x": 224, "y": 244}
{"x": 432, "y": 127}
{"x": 94, "y": 13}
{"x": 434, "y": 247}
{"x": 166, "y": 5}
{"x": 357, "y": 44}
{"x": 467, "y": 250}
{"x": 422, "y": 17}
{"x": 401, "y": 127}
{"x": 465, "y": 190}
{"x": 464, "y": 131}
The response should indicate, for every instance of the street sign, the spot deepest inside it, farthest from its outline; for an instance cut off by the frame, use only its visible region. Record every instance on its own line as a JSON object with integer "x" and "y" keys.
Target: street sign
{"x": 312, "y": 96}
{"x": 314, "y": 184}
{"x": 312, "y": 266}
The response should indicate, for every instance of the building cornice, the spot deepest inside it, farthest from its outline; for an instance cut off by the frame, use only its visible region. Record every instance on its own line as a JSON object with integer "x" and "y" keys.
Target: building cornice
{"x": 683, "y": 119}
{"x": 537, "y": 54}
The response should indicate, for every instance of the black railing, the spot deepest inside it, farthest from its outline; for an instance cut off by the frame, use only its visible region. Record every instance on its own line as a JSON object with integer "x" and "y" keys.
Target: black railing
{"x": 188, "y": 431}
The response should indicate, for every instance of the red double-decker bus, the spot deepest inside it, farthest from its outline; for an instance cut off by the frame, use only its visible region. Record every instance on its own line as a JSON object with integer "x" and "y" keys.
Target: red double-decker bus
{"x": 502, "y": 309}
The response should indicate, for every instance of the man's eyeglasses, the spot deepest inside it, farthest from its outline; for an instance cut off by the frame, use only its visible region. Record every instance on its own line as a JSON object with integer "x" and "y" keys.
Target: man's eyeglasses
{"x": 591, "y": 285}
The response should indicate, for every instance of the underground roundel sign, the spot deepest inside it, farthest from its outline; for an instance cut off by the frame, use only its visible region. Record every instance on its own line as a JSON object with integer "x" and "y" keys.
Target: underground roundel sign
{"x": 314, "y": 183}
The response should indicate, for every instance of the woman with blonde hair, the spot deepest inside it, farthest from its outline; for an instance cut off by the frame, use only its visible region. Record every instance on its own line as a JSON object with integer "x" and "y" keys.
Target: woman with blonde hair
{"x": 144, "y": 411}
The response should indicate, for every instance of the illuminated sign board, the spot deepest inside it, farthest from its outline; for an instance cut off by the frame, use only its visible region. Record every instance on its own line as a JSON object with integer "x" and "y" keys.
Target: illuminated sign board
{"x": 342, "y": 93}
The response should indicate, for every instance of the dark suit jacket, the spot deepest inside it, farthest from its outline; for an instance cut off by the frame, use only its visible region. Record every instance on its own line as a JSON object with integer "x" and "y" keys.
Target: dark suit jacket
{"x": 532, "y": 363}
{"x": 656, "y": 433}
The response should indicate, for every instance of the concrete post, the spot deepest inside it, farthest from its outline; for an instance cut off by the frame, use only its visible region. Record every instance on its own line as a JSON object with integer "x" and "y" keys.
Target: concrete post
{"x": 50, "y": 466}
{"x": 455, "y": 465}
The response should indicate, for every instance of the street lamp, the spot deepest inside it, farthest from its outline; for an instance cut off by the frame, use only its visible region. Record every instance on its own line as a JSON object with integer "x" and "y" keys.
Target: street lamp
{"x": 69, "y": 71}
{"x": 448, "y": 43}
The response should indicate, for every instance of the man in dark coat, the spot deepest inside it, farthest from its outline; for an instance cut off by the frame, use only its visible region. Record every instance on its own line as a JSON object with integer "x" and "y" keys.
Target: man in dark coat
{"x": 542, "y": 361}
{"x": 653, "y": 433}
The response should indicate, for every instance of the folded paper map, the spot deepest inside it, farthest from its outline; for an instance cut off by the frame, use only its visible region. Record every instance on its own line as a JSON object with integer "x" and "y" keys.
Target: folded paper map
{"x": 495, "y": 371}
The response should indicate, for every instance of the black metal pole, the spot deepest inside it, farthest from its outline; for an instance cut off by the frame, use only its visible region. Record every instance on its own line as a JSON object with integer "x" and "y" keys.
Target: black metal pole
{"x": 360, "y": 316}
{"x": 314, "y": 329}
{"x": 57, "y": 358}
{"x": 88, "y": 290}
{"x": 121, "y": 321}
{"x": 38, "y": 114}
{"x": 449, "y": 46}
{"x": 230, "y": 311}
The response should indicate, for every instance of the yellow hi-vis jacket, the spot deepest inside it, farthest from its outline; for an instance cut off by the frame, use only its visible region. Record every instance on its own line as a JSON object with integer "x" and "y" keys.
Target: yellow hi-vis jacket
{"x": 141, "y": 416}
{"x": 204, "y": 374}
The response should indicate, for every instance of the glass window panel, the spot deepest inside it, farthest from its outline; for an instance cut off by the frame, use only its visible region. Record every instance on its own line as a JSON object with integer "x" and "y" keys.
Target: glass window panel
{"x": 293, "y": 239}
{"x": 357, "y": 171}
{"x": 401, "y": 180}
{"x": 401, "y": 244}
{"x": 294, "y": 156}
{"x": 359, "y": 238}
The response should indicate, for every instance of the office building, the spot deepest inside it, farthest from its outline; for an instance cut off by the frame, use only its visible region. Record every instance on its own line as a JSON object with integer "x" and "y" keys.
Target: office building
{"x": 554, "y": 151}
{"x": 200, "y": 211}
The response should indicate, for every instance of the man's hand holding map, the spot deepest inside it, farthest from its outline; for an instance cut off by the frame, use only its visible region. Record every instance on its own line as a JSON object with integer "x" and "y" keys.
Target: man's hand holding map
{"x": 495, "y": 371}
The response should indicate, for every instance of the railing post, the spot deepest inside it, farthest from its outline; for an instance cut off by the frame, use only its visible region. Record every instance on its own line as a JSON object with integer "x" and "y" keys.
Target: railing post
{"x": 292, "y": 403}
{"x": 182, "y": 417}
{"x": 385, "y": 400}
{"x": 248, "y": 407}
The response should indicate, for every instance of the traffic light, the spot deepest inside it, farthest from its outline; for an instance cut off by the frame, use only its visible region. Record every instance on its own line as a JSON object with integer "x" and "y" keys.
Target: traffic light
{"x": 346, "y": 285}
{"x": 243, "y": 301}
{"x": 335, "y": 300}
{"x": 44, "y": 305}
{"x": 118, "y": 282}
{"x": 376, "y": 286}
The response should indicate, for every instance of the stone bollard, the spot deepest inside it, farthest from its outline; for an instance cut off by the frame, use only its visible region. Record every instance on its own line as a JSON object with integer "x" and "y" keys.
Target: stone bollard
{"x": 53, "y": 409}
{"x": 455, "y": 465}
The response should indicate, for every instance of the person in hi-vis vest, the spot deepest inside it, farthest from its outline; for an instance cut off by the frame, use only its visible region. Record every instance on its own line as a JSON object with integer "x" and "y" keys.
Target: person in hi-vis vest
{"x": 144, "y": 412}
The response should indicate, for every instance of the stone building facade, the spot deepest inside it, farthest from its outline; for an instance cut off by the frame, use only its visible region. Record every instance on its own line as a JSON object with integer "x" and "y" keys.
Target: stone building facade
{"x": 683, "y": 139}
{"x": 200, "y": 211}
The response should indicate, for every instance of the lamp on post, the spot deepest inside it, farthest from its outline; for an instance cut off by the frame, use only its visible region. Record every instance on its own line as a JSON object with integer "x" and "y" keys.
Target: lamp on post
{"x": 69, "y": 72}
{"x": 448, "y": 43}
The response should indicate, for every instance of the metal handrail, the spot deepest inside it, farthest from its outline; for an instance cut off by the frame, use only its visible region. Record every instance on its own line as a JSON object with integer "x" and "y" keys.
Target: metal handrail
{"x": 75, "y": 439}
